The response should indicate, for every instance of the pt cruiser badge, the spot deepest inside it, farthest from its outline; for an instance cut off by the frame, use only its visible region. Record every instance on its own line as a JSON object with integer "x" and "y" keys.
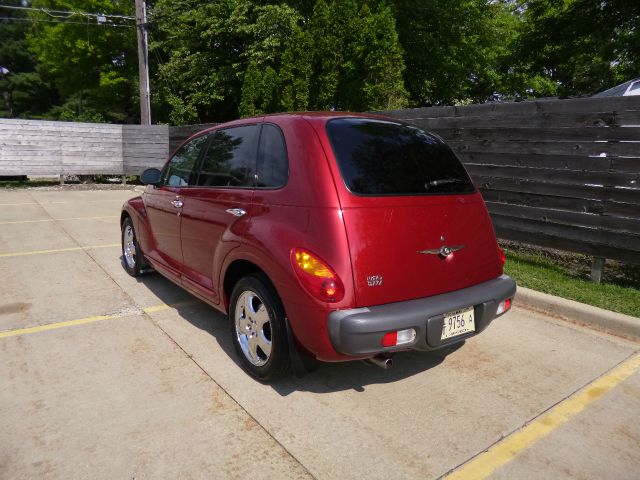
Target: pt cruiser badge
{"x": 443, "y": 251}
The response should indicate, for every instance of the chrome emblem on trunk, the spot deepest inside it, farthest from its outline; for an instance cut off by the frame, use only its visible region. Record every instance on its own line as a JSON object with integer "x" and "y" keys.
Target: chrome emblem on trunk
{"x": 374, "y": 280}
{"x": 443, "y": 251}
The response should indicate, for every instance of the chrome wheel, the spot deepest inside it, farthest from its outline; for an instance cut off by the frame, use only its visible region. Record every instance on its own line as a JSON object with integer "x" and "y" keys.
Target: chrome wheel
{"x": 129, "y": 246}
{"x": 253, "y": 328}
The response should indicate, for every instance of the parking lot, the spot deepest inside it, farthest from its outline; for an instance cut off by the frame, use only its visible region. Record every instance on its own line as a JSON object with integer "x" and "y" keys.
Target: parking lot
{"x": 106, "y": 376}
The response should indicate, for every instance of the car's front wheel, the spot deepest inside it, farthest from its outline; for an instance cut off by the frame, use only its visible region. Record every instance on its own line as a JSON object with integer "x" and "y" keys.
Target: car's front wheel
{"x": 132, "y": 260}
{"x": 258, "y": 329}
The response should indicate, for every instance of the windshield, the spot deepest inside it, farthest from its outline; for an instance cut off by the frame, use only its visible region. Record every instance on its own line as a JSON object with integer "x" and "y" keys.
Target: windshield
{"x": 378, "y": 157}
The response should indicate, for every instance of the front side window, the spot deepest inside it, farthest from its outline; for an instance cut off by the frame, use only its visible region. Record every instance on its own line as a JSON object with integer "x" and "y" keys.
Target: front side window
{"x": 180, "y": 170}
{"x": 273, "y": 166}
{"x": 231, "y": 158}
{"x": 378, "y": 157}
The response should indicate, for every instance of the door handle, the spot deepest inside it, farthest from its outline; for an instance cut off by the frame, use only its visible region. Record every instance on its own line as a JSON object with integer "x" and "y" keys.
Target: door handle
{"x": 177, "y": 203}
{"x": 236, "y": 212}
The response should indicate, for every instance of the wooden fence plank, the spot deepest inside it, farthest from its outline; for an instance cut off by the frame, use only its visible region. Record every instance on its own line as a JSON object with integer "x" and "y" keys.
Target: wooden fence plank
{"x": 593, "y": 149}
{"x": 563, "y": 177}
{"x": 603, "y": 240}
{"x": 570, "y": 204}
{"x": 537, "y": 236}
{"x": 554, "y": 162}
{"x": 558, "y": 190}
{"x": 567, "y": 218}
{"x": 561, "y": 134}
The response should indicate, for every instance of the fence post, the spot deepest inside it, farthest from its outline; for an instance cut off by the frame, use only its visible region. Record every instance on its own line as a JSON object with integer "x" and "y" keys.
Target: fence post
{"x": 597, "y": 266}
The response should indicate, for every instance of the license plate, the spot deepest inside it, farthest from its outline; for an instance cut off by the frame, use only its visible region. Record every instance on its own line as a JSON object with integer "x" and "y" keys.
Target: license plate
{"x": 458, "y": 323}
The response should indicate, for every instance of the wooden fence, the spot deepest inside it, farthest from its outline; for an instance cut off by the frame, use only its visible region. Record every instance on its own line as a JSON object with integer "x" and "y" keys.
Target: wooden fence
{"x": 33, "y": 147}
{"x": 563, "y": 174}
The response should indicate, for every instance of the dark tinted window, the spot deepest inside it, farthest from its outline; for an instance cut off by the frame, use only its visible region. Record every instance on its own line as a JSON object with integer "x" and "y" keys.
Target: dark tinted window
{"x": 179, "y": 172}
{"x": 231, "y": 158}
{"x": 273, "y": 166}
{"x": 386, "y": 158}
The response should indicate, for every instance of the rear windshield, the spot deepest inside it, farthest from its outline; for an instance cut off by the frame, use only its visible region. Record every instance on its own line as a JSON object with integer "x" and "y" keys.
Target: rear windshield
{"x": 377, "y": 157}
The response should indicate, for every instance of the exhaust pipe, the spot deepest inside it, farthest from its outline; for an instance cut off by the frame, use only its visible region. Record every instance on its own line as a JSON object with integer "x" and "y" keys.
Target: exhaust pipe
{"x": 381, "y": 361}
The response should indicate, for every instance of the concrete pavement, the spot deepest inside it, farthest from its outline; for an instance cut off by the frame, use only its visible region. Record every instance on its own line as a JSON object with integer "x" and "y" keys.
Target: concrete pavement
{"x": 113, "y": 382}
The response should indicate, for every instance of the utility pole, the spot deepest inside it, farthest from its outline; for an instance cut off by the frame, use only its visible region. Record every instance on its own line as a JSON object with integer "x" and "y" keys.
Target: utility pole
{"x": 143, "y": 63}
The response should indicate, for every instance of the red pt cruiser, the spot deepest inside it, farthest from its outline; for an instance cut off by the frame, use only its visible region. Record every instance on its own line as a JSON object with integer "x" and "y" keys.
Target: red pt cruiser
{"x": 334, "y": 236}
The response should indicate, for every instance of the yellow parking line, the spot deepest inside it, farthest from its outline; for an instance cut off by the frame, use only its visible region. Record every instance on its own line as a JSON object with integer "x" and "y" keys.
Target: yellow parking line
{"x": 13, "y": 222}
{"x": 57, "y": 250}
{"x": 504, "y": 451}
{"x": 53, "y": 326}
{"x": 96, "y": 318}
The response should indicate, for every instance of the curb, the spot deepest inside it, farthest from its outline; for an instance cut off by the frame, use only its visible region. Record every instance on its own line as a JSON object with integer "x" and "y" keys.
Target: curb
{"x": 604, "y": 320}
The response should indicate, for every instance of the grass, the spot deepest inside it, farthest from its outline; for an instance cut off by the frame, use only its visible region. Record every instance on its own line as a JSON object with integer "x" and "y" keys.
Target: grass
{"x": 540, "y": 273}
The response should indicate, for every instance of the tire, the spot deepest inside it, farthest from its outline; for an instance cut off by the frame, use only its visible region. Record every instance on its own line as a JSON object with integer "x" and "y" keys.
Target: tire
{"x": 132, "y": 259}
{"x": 258, "y": 331}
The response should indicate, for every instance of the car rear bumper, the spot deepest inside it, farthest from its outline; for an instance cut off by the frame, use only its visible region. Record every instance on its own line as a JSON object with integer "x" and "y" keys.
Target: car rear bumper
{"x": 359, "y": 331}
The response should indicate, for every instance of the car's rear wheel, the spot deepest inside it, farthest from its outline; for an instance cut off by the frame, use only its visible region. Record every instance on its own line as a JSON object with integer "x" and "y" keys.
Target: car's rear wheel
{"x": 258, "y": 329}
{"x": 132, "y": 259}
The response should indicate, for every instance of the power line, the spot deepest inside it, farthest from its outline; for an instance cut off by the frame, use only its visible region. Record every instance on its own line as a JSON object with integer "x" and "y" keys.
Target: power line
{"x": 42, "y": 20}
{"x": 68, "y": 13}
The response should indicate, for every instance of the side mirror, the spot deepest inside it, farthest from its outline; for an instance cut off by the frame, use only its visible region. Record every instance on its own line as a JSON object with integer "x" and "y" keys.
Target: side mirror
{"x": 151, "y": 176}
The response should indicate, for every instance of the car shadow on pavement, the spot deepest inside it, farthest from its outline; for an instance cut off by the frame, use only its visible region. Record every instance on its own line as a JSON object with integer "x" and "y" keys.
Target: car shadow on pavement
{"x": 326, "y": 378}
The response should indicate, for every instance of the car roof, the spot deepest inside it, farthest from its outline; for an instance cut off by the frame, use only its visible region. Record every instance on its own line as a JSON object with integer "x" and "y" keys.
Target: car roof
{"x": 322, "y": 115}
{"x": 618, "y": 90}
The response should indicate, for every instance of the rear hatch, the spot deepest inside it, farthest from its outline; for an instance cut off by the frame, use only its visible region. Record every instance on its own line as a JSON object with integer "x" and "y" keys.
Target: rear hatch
{"x": 415, "y": 223}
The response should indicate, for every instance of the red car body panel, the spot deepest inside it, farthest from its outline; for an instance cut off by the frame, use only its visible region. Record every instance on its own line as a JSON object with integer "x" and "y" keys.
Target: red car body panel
{"x": 357, "y": 236}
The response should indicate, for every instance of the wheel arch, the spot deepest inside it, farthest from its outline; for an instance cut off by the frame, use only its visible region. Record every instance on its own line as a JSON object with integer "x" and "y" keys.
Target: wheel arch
{"x": 237, "y": 269}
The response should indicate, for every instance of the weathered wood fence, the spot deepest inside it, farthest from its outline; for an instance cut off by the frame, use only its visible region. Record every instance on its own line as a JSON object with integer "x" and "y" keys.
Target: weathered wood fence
{"x": 563, "y": 174}
{"x": 33, "y": 147}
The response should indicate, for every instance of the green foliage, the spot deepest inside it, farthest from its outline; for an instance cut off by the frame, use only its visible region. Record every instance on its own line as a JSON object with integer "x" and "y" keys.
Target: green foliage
{"x": 199, "y": 50}
{"x": 24, "y": 92}
{"x": 453, "y": 48}
{"x": 240, "y": 58}
{"x": 583, "y": 46}
{"x": 215, "y": 61}
{"x": 94, "y": 67}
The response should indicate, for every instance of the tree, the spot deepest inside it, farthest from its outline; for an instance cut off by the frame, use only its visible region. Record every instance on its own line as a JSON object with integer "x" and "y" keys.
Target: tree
{"x": 582, "y": 46}
{"x": 200, "y": 47}
{"x": 270, "y": 34}
{"x": 93, "y": 65}
{"x": 382, "y": 61}
{"x": 23, "y": 90}
{"x": 342, "y": 58}
{"x": 453, "y": 48}
{"x": 244, "y": 58}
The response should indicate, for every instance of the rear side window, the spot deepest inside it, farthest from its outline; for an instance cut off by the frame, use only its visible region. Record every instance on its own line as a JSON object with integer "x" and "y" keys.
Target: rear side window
{"x": 231, "y": 158}
{"x": 273, "y": 166}
{"x": 378, "y": 157}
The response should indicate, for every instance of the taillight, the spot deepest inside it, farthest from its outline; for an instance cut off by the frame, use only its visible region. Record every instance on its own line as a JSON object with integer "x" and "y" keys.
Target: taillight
{"x": 317, "y": 276}
{"x": 503, "y": 307}
{"x": 399, "y": 337}
{"x": 503, "y": 257}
